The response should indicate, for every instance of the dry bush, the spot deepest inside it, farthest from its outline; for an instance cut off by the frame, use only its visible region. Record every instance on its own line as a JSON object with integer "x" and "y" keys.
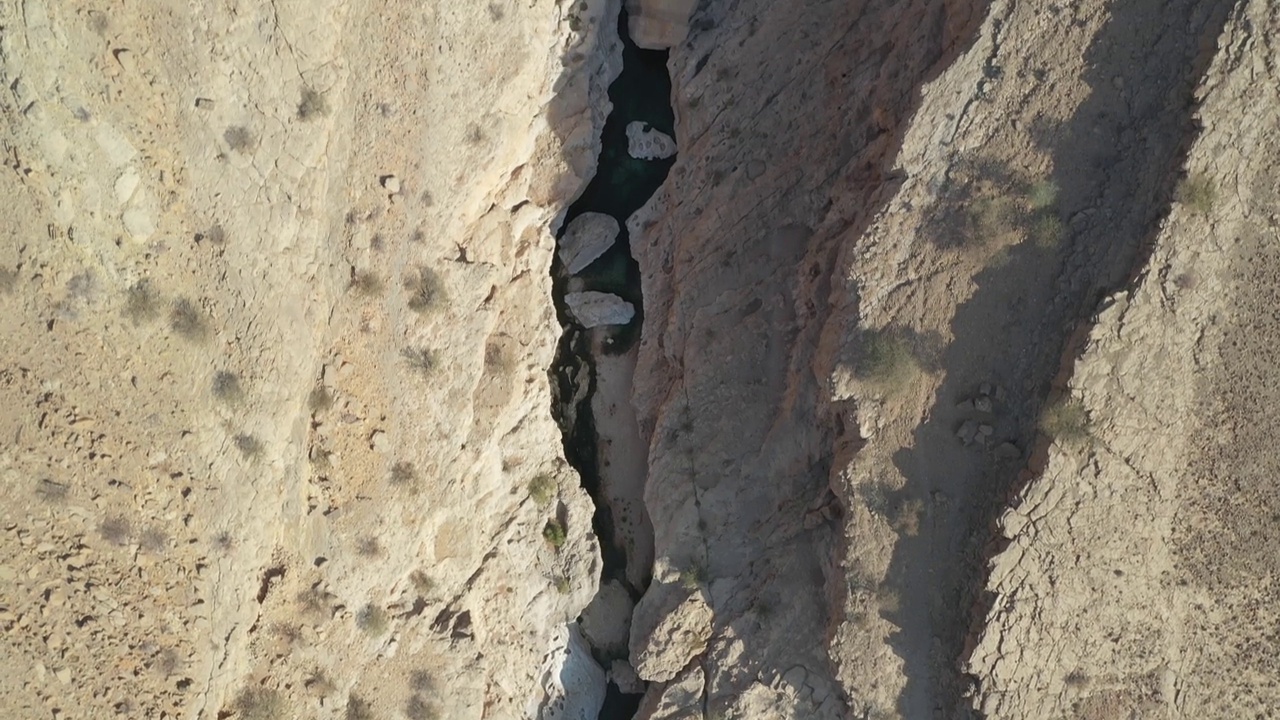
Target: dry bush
{"x": 694, "y": 576}
{"x": 425, "y": 290}
{"x": 886, "y": 361}
{"x": 226, "y": 387}
{"x": 420, "y": 360}
{"x": 1066, "y": 420}
{"x": 223, "y": 541}
{"x": 366, "y": 284}
{"x": 1197, "y": 193}
{"x": 8, "y": 280}
{"x": 52, "y": 492}
{"x": 249, "y": 446}
{"x": 314, "y": 602}
{"x": 312, "y": 104}
{"x": 320, "y": 399}
{"x": 239, "y": 138}
{"x": 186, "y": 320}
{"x": 358, "y": 708}
{"x": 259, "y": 703}
{"x": 368, "y": 547}
{"x": 422, "y": 582}
{"x": 154, "y": 540}
{"x": 116, "y": 530}
{"x": 420, "y": 681}
{"x": 373, "y": 620}
{"x": 419, "y": 709}
{"x": 141, "y": 302}
{"x": 403, "y": 474}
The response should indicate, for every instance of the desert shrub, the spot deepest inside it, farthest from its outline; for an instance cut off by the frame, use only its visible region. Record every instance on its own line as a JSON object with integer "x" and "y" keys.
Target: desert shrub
{"x": 553, "y": 532}
{"x": 420, "y": 360}
{"x": 404, "y": 474}
{"x": 418, "y": 709}
{"x": 1043, "y": 195}
{"x": 366, "y": 284}
{"x": 239, "y": 138}
{"x": 1047, "y": 231}
{"x": 259, "y": 703}
{"x": 693, "y": 576}
{"x": 51, "y": 492}
{"x": 249, "y": 446}
{"x": 8, "y": 280}
{"x": 1197, "y": 193}
{"x": 1066, "y": 420}
{"x": 318, "y": 683}
{"x": 312, "y": 104}
{"x": 372, "y": 619}
{"x": 1186, "y": 281}
{"x": 314, "y": 602}
{"x": 992, "y": 217}
{"x": 168, "y": 661}
{"x": 186, "y": 320}
{"x": 422, "y": 582}
{"x": 368, "y": 547}
{"x": 425, "y": 290}
{"x": 1076, "y": 679}
{"x": 226, "y": 387}
{"x": 154, "y": 540}
{"x": 320, "y": 399}
{"x": 116, "y": 530}
{"x": 542, "y": 489}
{"x": 223, "y": 541}
{"x": 358, "y": 708}
{"x": 420, "y": 681}
{"x": 562, "y": 585}
{"x": 885, "y": 361}
{"x": 141, "y": 302}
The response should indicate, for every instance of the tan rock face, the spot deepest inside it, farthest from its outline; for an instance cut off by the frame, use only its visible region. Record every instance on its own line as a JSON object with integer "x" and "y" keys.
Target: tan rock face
{"x": 671, "y": 627}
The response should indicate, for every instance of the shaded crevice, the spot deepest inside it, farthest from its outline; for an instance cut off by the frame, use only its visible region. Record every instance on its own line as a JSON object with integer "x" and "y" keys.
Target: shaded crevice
{"x": 621, "y": 185}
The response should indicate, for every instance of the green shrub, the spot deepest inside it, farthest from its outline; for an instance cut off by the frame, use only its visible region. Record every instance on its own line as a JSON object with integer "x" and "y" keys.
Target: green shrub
{"x": 694, "y": 576}
{"x": 553, "y": 532}
{"x": 562, "y": 585}
{"x": 1047, "y": 231}
{"x": 886, "y": 361}
{"x": 1066, "y": 420}
{"x": 1043, "y": 195}
{"x": 542, "y": 489}
{"x": 1197, "y": 193}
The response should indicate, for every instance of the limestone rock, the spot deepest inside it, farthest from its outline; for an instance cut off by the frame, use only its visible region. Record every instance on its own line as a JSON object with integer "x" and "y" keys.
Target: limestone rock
{"x": 575, "y": 684}
{"x": 659, "y": 24}
{"x": 593, "y": 309}
{"x": 588, "y": 237}
{"x": 606, "y": 622}
{"x": 671, "y": 627}
{"x": 648, "y": 143}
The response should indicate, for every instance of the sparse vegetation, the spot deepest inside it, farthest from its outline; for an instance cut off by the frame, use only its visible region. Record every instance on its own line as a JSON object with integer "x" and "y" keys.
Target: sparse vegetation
{"x": 249, "y": 445}
{"x": 1047, "y": 231}
{"x": 420, "y": 681}
{"x": 320, "y": 399}
{"x": 315, "y": 602}
{"x": 141, "y": 302}
{"x": 421, "y": 360}
{"x": 366, "y": 284}
{"x": 1186, "y": 281}
{"x": 368, "y": 547}
{"x": 886, "y": 361}
{"x": 1043, "y": 195}
{"x": 694, "y": 576}
{"x": 312, "y": 104}
{"x": 992, "y": 217}
{"x": 553, "y": 532}
{"x": 259, "y": 703}
{"x": 419, "y": 709}
{"x": 116, "y": 530}
{"x": 8, "y": 280}
{"x": 186, "y": 320}
{"x": 404, "y": 474}
{"x": 223, "y": 541}
{"x": 1066, "y": 420}
{"x": 425, "y": 290}
{"x": 1076, "y": 679}
{"x": 239, "y": 138}
{"x": 154, "y": 540}
{"x": 542, "y": 488}
{"x": 51, "y": 492}
{"x": 422, "y": 582}
{"x": 319, "y": 684}
{"x": 562, "y": 585}
{"x": 226, "y": 387}
{"x": 373, "y": 620}
{"x": 1197, "y": 193}
{"x": 358, "y": 708}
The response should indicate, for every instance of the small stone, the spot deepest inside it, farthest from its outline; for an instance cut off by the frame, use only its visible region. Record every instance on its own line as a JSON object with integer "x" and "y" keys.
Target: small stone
{"x": 986, "y": 430}
{"x": 967, "y": 430}
{"x": 986, "y": 388}
{"x": 204, "y": 103}
{"x": 965, "y": 406}
{"x": 7, "y": 573}
{"x": 1008, "y": 450}
{"x": 983, "y": 404}
{"x": 378, "y": 441}
{"x": 63, "y": 675}
{"x": 625, "y": 677}
{"x": 391, "y": 184}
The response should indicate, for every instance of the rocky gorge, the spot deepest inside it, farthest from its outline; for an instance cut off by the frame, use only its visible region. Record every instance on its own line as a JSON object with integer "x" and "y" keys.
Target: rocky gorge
{"x": 652, "y": 359}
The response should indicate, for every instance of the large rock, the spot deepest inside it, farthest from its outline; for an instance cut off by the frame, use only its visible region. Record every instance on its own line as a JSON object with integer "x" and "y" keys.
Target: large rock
{"x": 659, "y": 24}
{"x": 647, "y": 143}
{"x": 670, "y": 628}
{"x": 574, "y": 683}
{"x": 587, "y": 238}
{"x": 594, "y": 309}
{"x": 606, "y": 622}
